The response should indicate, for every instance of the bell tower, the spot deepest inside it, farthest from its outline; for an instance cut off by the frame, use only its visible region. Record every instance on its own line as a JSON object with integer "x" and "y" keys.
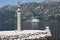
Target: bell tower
{"x": 18, "y": 17}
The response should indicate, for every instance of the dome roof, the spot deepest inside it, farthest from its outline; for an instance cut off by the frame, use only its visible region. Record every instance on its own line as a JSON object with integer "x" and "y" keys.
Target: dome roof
{"x": 35, "y": 20}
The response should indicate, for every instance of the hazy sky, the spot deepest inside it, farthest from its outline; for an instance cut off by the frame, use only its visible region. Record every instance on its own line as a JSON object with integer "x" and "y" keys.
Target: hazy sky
{"x": 14, "y": 2}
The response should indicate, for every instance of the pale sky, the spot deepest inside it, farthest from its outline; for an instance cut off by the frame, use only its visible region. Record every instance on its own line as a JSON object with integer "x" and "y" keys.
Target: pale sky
{"x": 14, "y": 2}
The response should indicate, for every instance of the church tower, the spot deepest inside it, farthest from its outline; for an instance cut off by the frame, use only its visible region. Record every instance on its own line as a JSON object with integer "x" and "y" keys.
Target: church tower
{"x": 18, "y": 17}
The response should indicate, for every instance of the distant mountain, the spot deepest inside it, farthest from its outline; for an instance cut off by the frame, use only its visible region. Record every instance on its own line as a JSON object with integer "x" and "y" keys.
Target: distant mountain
{"x": 27, "y": 9}
{"x": 43, "y": 11}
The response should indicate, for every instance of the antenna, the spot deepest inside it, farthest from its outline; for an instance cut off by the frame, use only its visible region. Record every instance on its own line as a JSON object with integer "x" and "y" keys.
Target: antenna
{"x": 19, "y": 2}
